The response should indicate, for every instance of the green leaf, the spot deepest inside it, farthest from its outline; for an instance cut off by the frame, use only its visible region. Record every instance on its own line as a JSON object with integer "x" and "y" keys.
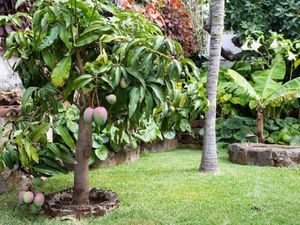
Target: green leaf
{"x": 50, "y": 38}
{"x": 134, "y": 99}
{"x": 160, "y": 40}
{"x": 102, "y": 152}
{"x": 287, "y": 91}
{"x": 137, "y": 55}
{"x": 78, "y": 83}
{"x": 137, "y": 75}
{"x": 31, "y": 151}
{"x": 243, "y": 83}
{"x": 157, "y": 92}
{"x": 65, "y": 35}
{"x": 106, "y": 38}
{"x": 38, "y": 132}
{"x": 53, "y": 148}
{"x": 48, "y": 58}
{"x": 27, "y": 94}
{"x": 61, "y": 72}
{"x": 66, "y": 137}
{"x": 86, "y": 39}
{"x": 116, "y": 75}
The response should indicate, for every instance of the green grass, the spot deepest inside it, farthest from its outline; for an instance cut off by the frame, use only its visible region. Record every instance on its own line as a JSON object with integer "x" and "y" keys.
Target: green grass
{"x": 166, "y": 188}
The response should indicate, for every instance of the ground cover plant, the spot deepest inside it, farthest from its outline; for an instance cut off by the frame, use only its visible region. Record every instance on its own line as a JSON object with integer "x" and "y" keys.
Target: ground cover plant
{"x": 165, "y": 188}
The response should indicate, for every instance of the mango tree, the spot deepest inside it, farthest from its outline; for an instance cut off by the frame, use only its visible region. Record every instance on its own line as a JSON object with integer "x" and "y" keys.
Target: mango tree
{"x": 267, "y": 89}
{"x": 90, "y": 53}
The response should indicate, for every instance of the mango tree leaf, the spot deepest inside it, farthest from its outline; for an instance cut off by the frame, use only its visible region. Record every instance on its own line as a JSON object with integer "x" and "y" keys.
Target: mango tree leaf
{"x": 134, "y": 98}
{"x": 31, "y": 151}
{"x": 157, "y": 92}
{"x": 27, "y": 94}
{"x": 66, "y": 137}
{"x": 137, "y": 54}
{"x": 86, "y": 39}
{"x": 102, "y": 152}
{"x": 50, "y": 38}
{"x": 78, "y": 83}
{"x": 61, "y": 72}
{"x": 38, "y": 132}
{"x": 48, "y": 58}
{"x": 137, "y": 75}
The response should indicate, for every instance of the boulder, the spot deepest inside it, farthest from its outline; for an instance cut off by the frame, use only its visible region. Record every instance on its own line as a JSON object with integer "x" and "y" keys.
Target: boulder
{"x": 263, "y": 154}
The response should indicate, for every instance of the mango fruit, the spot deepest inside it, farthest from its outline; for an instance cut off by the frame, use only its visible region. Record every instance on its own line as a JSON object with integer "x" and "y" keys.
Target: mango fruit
{"x": 28, "y": 197}
{"x": 39, "y": 199}
{"x": 100, "y": 115}
{"x": 88, "y": 115}
{"x": 111, "y": 99}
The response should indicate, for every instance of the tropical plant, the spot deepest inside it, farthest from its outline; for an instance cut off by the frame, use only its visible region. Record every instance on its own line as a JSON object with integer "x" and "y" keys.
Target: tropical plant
{"x": 242, "y": 129}
{"x": 267, "y": 90}
{"x": 83, "y": 51}
{"x": 209, "y": 155}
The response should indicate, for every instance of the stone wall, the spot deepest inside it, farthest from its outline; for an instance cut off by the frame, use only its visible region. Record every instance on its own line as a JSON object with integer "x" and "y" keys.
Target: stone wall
{"x": 129, "y": 155}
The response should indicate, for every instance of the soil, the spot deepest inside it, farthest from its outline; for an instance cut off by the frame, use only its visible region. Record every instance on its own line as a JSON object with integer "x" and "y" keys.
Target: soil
{"x": 61, "y": 204}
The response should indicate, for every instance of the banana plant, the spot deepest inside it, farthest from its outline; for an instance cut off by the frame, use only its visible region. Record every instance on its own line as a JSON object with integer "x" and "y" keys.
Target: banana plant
{"x": 267, "y": 89}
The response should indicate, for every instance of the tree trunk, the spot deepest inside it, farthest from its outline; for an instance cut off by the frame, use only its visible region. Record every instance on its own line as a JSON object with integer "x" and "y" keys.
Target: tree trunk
{"x": 260, "y": 125}
{"x": 83, "y": 147}
{"x": 209, "y": 161}
{"x": 81, "y": 171}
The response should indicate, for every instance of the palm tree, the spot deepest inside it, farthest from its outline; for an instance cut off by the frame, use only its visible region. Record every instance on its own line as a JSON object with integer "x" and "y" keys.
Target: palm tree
{"x": 267, "y": 89}
{"x": 209, "y": 161}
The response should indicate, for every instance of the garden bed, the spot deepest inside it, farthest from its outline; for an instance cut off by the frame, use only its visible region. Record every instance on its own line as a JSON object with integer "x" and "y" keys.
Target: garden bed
{"x": 61, "y": 204}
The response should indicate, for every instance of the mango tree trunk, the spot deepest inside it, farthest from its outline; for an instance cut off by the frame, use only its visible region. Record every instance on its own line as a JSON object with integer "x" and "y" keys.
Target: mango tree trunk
{"x": 81, "y": 171}
{"x": 83, "y": 146}
{"x": 260, "y": 124}
{"x": 209, "y": 161}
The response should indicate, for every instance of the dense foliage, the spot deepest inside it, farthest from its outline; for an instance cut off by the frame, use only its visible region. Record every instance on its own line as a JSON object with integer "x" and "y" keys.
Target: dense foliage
{"x": 171, "y": 16}
{"x": 247, "y": 17}
{"x": 276, "y": 131}
{"x": 121, "y": 53}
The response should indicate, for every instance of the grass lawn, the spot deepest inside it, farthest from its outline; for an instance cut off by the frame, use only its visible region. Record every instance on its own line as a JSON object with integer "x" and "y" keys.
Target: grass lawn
{"x": 166, "y": 188}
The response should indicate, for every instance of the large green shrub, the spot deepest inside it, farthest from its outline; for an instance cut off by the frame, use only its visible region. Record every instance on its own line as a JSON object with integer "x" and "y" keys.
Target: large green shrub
{"x": 246, "y": 17}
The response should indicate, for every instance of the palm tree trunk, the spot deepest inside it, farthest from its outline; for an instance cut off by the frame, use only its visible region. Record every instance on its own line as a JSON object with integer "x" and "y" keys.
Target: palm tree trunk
{"x": 260, "y": 124}
{"x": 209, "y": 161}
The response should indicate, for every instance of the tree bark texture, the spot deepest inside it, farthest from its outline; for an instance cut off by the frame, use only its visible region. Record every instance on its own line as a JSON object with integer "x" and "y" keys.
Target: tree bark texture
{"x": 260, "y": 125}
{"x": 209, "y": 161}
{"x": 83, "y": 147}
{"x": 81, "y": 169}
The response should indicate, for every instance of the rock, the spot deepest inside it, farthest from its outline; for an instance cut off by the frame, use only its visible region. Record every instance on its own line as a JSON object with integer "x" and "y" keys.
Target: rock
{"x": 263, "y": 154}
{"x": 8, "y": 79}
